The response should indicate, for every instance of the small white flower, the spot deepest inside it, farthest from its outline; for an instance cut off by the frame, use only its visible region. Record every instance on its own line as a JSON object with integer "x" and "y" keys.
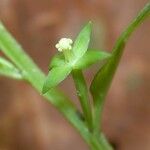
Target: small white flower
{"x": 64, "y": 44}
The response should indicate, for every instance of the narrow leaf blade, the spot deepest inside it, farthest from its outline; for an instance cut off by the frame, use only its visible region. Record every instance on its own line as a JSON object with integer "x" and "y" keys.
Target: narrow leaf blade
{"x": 57, "y": 60}
{"x": 55, "y": 76}
{"x": 103, "y": 78}
{"x": 9, "y": 70}
{"x": 91, "y": 57}
{"x": 82, "y": 41}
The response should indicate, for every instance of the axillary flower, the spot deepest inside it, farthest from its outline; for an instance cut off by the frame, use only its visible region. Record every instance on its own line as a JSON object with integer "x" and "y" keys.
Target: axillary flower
{"x": 72, "y": 57}
{"x": 64, "y": 44}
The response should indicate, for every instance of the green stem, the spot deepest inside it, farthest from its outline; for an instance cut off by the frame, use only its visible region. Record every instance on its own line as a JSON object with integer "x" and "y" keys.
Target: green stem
{"x": 105, "y": 75}
{"x": 104, "y": 142}
{"x": 68, "y": 55}
{"x": 100, "y": 143}
{"x": 96, "y": 142}
{"x": 82, "y": 93}
{"x": 36, "y": 78}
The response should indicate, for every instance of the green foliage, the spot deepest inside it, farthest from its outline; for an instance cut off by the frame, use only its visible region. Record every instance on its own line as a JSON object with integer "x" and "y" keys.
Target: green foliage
{"x": 9, "y": 70}
{"x": 103, "y": 78}
{"x": 82, "y": 41}
{"x": 80, "y": 59}
{"x": 91, "y": 57}
{"x": 57, "y": 61}
{"x": 55, "y": 76}
{"x": 21, "y": 66}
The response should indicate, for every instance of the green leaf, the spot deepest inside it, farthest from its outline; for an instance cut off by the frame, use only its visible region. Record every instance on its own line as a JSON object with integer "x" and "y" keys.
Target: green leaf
{"x": 9, "y": 70}
{"x": 102, "y": 80}
{"x": 11, "y": 48}
{"x": 91, "y": 57}
{"x": 104, "y": 76}
{"x": 82, "y": 41}
{"x": 57, "y": 60}
{"x": 55, "y": 76}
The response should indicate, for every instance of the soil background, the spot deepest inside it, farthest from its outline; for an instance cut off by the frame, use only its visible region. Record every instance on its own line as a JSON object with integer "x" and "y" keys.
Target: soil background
{"x": 27, "y": 122}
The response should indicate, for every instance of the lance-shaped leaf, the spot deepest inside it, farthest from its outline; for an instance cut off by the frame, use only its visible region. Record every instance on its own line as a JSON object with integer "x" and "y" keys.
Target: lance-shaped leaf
{"x": 82, "y": 41}
{"x": 55, "y": 76}
{"x": 91, "y": 57}
{"x": 9, "y": 70}
{"x": 102, "y": 80}
{"x": 57, "y": 60}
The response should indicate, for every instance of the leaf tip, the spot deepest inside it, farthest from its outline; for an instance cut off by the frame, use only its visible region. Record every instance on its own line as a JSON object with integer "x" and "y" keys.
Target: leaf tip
{"x": 89, "y": 25}
{"x": 45, "y": 89}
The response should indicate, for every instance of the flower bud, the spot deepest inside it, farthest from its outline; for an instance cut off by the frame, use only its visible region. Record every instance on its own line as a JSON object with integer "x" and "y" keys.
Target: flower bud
{"x": 64, "y": 44}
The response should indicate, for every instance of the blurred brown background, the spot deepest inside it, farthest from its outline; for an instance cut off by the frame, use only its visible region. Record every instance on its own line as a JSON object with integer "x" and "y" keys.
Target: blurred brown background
{"x": 29, "y": 123}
